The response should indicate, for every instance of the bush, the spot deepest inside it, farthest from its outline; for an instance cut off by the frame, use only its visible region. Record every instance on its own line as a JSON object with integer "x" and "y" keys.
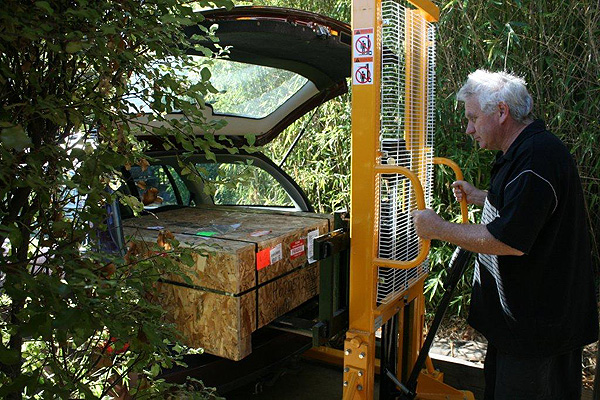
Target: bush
{"x": 77, "y": 320}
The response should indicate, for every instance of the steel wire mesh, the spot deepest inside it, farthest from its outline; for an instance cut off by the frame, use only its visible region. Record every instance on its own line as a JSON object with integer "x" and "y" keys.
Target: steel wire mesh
{"x": 406, "y": 139}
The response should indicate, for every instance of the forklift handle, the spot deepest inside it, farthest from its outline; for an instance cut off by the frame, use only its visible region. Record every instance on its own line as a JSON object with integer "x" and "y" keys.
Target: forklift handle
{"x": 459, "y": 176}
{"x": 420, "y": 198}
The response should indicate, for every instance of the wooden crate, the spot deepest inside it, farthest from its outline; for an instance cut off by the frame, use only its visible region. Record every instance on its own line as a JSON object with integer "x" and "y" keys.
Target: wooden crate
{"x": 232, "y": 294}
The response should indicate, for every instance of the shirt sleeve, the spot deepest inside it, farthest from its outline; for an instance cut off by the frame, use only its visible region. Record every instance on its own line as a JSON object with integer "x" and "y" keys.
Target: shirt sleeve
{"x": 529, "y": 200}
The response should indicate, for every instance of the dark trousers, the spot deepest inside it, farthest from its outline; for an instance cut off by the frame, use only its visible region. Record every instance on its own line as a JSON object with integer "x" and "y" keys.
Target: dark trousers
{"x": 509, "y": 377}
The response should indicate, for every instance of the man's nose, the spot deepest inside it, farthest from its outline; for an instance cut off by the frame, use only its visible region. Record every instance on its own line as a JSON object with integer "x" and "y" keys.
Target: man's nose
{"x": 470, "y": 129}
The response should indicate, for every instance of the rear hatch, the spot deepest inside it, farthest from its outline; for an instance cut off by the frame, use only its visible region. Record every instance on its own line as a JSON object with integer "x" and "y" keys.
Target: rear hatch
{"x": 280, "y": 64}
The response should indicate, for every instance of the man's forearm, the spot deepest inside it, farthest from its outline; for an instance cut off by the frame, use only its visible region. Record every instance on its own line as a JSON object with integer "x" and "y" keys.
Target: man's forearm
{"x": 473, "y": 237}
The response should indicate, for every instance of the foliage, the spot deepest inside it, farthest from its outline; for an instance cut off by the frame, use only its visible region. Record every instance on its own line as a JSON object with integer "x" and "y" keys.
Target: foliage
{"x": 77, "y": 322}
{"x": 338, "y": 9}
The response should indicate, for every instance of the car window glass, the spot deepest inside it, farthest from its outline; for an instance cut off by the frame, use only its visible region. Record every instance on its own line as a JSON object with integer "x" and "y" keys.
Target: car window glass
{"x": 244, "y": 90}
{"x": 252, "y": 91}
{"x": 159, "y": 185}
{"x": 183, "y": 190}
{"x": 243, "y": 184}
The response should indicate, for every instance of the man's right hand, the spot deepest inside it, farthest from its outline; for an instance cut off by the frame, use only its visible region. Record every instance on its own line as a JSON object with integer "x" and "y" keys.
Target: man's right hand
{"x": 464, "y": 190}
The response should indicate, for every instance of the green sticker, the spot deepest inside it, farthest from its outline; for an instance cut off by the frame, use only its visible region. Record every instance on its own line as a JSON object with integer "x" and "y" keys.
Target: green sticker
{"x": 206, "y": 233}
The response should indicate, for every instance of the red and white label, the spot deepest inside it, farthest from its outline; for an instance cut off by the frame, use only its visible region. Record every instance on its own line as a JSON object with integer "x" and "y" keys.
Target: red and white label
{"x": 362, "y": 60}
{"x": 297, "y": 249}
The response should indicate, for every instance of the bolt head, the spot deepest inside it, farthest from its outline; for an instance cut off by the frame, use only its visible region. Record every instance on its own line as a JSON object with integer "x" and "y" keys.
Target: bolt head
{"x": 359, "y": 387}
{"x": 345, "y": 383}
{"x": 348, "y": 352}
{"x": 361, "y": 355}
{"x": 360, "y": 373}
{"x": 346, "y": 369}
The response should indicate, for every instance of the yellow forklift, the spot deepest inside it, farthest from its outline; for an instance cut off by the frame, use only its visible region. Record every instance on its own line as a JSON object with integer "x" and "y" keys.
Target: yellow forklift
{"x": 393, "y": 110}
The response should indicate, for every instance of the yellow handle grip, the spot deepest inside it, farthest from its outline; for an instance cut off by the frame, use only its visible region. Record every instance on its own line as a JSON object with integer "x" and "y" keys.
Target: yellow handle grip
{"x": 420, "y": 197}
{"x": 459, "y": 176}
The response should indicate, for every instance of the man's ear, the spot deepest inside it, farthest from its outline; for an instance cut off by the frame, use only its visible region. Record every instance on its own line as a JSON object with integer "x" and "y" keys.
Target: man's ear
{"x": 504, "y": 111}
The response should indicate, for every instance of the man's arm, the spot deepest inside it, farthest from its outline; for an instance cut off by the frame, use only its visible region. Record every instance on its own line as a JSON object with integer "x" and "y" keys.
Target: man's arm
{"x": 472, "y": 237}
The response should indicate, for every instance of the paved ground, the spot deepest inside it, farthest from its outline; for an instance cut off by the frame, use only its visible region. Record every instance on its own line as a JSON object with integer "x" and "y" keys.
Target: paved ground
{"x": 302, "y": 379}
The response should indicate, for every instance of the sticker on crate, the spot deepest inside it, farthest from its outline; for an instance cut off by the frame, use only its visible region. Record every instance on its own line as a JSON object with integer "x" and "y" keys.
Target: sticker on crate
{"x": 310, "y": 245}
{"x": 260, "y": 233}
{"x": 263, "y": 259}
{"x": 297, "y": 249}
{"x": 276, "y": 254}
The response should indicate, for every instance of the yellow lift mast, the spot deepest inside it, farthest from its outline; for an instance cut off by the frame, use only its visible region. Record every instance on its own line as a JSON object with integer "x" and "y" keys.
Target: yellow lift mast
{"x": 393, "y": 73}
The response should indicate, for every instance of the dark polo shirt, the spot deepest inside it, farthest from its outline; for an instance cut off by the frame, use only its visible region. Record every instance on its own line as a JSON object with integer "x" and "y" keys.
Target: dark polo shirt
{"x": 541, "y": 303}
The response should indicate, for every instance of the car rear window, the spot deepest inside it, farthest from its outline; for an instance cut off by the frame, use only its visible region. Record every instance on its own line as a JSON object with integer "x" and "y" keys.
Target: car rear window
{"x": 251, "y": 91}
{"x": 159, "y": 185}
{"x": 243, "y": 185}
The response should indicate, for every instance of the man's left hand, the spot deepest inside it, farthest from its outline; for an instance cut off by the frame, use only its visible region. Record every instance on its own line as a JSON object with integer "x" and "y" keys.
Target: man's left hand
{"x": 427, "y": 223}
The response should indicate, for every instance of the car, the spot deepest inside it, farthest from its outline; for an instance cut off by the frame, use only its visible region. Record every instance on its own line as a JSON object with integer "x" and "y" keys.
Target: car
{"x": 279, "y": 64}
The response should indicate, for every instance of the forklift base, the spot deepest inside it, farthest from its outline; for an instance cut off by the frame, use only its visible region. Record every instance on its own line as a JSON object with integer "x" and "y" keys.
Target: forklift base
{"x": 430, "y": 386}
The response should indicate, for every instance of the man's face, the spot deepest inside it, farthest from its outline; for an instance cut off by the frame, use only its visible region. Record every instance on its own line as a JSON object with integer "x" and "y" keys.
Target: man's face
{"x": 485, "y": 129}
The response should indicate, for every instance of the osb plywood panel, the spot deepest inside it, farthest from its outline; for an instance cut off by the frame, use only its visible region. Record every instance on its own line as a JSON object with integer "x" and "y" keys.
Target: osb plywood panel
{"x": 223, "y": 265}
{"x": 282, "y": 234}
{"x": 286, "y": 293}
{"x": 220, "y": 324}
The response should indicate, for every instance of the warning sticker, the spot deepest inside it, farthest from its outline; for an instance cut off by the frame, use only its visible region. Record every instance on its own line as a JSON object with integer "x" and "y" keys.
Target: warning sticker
{"x": 263, "y": 259}
{"x": 363, "y": 56}
{"x": 276, "y": 254}
{"x": 363, "y": 73}
{"x": 363, "y": 42}
{"x": 296, "y": 249}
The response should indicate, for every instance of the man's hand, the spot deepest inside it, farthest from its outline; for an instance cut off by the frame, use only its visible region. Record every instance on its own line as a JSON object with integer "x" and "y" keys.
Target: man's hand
{"x": 427, "y": 223}
{"x": 463, "y": 189}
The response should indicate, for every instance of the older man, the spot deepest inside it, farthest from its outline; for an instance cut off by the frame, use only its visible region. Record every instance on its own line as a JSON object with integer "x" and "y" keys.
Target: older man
{"x": 533, "y": 287}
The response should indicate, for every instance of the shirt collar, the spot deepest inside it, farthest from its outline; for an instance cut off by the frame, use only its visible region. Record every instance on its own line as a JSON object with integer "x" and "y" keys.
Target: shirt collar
{"x": 533, "y": 128}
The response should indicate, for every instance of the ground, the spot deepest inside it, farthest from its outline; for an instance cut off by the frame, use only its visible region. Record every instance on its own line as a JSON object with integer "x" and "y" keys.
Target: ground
{"x": 302, "y": 379}
{"x": 457, "y": 339}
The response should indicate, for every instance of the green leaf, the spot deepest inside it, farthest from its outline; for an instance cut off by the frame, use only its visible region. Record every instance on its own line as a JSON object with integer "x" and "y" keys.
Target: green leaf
{"x": 7, "y": 356}
{"x": 155, "y": 370}
{"x": 44, "y": 5}
{"x": 74, "y": 47}
{"x": 205, "y": 73}
{"x": 228, "y": 4}
{"x": 15, "y": 138}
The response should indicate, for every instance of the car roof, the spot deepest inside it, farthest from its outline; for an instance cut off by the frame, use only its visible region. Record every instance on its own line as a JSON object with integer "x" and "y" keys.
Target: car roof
{"x": 313, "y": 46}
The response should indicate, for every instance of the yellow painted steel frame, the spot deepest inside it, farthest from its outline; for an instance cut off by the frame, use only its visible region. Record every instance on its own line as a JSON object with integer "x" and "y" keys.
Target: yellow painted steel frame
{"x": 365, "y": 316}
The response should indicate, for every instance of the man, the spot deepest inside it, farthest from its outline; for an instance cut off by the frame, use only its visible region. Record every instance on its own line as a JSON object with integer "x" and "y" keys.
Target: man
{"x": 533, "y": 287}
